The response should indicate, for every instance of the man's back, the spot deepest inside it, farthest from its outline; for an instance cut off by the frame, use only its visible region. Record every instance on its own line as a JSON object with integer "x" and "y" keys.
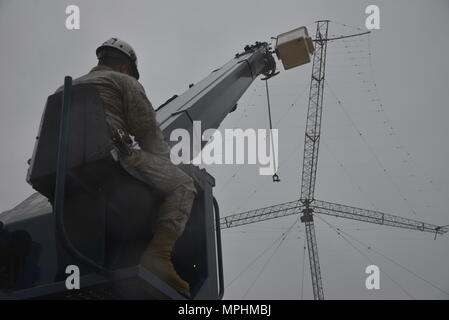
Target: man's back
{"x": 126, "y": 107}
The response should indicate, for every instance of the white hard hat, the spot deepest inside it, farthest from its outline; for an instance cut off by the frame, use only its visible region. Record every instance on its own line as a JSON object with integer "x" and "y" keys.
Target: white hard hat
{"x": 121, "y": 46}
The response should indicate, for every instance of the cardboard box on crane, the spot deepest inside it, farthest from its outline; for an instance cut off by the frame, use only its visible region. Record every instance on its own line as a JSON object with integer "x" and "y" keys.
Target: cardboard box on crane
{"x": 294, "y": 47}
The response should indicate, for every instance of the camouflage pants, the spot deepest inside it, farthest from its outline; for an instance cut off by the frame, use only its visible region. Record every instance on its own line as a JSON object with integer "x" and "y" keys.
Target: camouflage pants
{"x": 161, "y": 174}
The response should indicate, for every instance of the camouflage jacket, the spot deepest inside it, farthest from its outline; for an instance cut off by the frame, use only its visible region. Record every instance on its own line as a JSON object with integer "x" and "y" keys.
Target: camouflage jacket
{"x": 127, "y": 107}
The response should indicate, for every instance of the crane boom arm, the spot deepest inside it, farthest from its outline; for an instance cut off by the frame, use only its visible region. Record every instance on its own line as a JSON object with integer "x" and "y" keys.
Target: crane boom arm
{"x": 214, "y": 97}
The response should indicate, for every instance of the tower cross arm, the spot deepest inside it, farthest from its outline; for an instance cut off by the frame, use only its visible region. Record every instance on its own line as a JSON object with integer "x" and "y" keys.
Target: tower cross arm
{"x": 342, "y": 37}
{"x": 372, "y": 216}
{"x": 261, "y": 214}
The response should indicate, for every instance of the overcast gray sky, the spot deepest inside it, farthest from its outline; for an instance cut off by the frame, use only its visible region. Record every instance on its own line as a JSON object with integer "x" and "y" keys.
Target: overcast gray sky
{"x": 392, "y": 87}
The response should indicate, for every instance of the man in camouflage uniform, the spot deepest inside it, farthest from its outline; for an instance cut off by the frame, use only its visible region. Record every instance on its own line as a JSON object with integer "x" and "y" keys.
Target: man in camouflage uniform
{"x": 128, "y": 109}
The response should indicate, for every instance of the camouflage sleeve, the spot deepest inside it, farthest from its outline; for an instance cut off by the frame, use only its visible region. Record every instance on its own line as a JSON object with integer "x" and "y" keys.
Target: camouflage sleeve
{"x": 141, "y": 118}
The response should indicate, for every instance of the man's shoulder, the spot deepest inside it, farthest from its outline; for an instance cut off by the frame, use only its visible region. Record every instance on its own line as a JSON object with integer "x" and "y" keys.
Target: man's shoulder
{"x": 109, "y": 77}
{"x": 125, "y": 81}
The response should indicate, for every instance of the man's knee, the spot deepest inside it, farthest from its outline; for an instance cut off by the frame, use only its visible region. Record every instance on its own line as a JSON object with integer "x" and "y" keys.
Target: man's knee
{"x": 189, "y": 184}
{"x": 184, "y": 195}
{"x": 181, "y": 181}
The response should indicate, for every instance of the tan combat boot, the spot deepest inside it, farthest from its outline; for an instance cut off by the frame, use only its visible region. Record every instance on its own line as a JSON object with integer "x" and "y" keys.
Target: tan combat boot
{"x": 157, "y": 259}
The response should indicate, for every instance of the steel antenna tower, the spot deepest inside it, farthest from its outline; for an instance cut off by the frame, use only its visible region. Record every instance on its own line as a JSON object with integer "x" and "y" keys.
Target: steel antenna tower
{"x": 307, "y": 205}
{"x": 311, "y": 146}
